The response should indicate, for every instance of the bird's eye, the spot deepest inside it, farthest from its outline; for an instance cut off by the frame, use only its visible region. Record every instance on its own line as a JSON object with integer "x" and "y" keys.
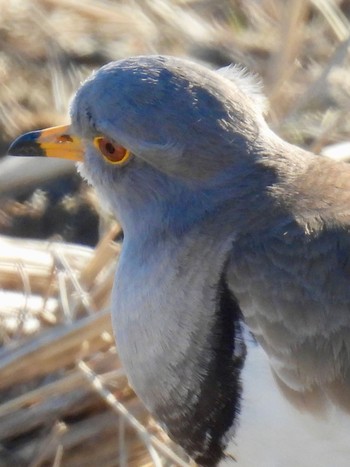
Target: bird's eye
{"x": 111, "y": 151}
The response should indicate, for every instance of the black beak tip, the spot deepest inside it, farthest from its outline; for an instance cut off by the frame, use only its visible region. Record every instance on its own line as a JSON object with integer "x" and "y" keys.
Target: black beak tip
{"x": 26, "y": 145}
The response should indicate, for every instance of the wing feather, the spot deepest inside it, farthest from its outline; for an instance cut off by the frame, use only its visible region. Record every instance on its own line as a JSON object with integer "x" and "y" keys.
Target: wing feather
{"x": 293, "y": 286}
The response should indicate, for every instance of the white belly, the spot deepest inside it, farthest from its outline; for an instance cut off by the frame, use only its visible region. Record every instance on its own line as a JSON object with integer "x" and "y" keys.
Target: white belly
{"x": 273, "y": 433}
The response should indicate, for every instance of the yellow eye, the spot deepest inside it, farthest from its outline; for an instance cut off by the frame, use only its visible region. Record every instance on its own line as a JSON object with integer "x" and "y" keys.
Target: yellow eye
{"x": 111, "y": 151}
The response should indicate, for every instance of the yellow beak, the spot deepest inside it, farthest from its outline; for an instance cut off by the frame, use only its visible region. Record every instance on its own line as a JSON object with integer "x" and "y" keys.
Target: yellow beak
{"x": 52, "y": 142}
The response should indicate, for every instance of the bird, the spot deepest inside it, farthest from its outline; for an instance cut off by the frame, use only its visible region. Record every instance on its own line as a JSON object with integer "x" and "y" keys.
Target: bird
{"x": 231, "y": 300}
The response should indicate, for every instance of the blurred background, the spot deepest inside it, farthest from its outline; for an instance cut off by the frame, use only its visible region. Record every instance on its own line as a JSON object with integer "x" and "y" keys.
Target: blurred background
{"x": 64, "y": 399}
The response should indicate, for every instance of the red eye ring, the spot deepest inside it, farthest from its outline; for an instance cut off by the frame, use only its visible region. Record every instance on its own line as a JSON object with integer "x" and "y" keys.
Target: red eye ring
{"x": 111, "y": 151}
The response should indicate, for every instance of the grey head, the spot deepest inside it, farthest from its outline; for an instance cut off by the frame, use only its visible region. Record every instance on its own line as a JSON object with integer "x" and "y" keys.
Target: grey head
{"x": 189, "y": 130}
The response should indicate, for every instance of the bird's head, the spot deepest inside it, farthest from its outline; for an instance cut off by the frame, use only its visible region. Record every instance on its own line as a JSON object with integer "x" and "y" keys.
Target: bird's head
{"x": 154, "y": 128}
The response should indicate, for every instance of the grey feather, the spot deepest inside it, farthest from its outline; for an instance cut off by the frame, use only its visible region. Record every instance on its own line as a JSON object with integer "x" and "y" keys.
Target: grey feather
{"x": 293, "y": 281}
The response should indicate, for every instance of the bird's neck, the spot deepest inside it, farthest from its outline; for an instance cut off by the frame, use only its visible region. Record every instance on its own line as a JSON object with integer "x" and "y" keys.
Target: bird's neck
{"x": 178, "y": 333}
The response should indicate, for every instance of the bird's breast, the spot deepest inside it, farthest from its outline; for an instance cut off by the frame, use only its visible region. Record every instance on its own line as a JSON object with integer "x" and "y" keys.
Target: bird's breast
{"x": 273, "y": 433}
{"x": 178, "y": 334}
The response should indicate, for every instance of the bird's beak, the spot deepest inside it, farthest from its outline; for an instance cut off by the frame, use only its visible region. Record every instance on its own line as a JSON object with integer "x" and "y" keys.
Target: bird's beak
{"x": 52, "y": 142}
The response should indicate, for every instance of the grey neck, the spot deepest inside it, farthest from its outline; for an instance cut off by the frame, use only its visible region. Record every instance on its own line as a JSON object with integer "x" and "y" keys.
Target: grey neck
{"x": 179, "y": 337}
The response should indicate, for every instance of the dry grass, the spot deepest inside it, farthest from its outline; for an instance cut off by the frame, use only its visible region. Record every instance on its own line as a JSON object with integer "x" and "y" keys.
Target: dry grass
{"x": 64, "y": 397}
{"x": 300, "y": 48}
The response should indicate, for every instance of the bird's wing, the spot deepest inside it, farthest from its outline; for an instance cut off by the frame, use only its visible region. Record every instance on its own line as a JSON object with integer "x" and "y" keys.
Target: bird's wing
{"x": 294, "y": 291}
